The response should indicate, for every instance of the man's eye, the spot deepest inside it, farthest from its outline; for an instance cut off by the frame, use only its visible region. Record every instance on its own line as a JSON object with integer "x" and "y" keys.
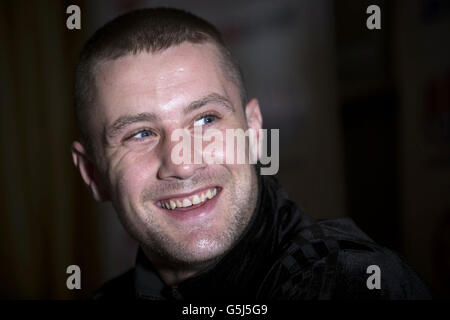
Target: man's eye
{"x": 205, "y": 120}
{"x": 142, "y": 134}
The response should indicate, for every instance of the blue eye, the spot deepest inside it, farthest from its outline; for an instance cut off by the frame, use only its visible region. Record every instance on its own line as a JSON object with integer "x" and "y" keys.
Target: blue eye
{"x": 205, "y": 120}
{"x": 142, "y": 134}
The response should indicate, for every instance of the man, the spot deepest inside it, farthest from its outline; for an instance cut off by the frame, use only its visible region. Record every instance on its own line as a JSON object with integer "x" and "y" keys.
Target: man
{"x": 207, "y": 230}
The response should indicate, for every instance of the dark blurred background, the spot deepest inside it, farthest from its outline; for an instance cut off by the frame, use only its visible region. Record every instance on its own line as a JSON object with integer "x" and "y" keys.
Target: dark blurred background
{"x": 364, "y": 119}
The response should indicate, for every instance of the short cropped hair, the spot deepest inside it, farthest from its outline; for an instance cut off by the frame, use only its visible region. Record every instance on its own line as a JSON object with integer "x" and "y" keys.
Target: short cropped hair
{"x": 151, "y": 30}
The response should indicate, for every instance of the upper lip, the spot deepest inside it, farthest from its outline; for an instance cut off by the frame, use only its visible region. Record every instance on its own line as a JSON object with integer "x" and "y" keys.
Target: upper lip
{"x": 186, "y": 195}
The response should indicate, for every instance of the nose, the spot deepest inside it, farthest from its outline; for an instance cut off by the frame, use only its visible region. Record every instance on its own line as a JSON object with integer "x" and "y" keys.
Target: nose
{"x": 171, "y": 169}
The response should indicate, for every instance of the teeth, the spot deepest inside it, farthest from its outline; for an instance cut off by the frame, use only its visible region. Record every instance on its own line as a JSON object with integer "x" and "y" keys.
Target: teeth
{"x": 187, "y": 202}
{"x": 196, "y": 200}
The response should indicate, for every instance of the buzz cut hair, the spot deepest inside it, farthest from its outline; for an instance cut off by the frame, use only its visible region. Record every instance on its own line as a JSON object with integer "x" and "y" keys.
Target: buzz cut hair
{"x": 146, "y": 30}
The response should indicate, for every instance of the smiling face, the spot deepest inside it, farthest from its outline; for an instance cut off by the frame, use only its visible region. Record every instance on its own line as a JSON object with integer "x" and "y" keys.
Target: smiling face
{"x": 182, "y": 214}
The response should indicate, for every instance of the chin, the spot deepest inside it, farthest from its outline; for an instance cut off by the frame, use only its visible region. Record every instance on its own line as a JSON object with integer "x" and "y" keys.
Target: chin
{"x": 202, "y": 252}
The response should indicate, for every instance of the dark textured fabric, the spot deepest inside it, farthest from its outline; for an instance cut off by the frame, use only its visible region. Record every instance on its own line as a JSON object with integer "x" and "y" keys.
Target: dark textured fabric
{"x": 282, "y": 255}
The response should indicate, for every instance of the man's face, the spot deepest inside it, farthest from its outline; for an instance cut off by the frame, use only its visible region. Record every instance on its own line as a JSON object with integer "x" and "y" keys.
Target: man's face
{"x": 141, "y": 99}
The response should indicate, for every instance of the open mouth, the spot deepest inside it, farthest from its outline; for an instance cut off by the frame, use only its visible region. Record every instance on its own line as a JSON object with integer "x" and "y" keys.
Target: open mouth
{"x": 191, "y": 201}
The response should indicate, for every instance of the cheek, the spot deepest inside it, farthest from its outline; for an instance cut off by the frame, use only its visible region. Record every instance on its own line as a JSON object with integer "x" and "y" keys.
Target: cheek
{"x": 223, "y": 147}
{"x": 214, "y": 147}
{"x": 131, "y": 176}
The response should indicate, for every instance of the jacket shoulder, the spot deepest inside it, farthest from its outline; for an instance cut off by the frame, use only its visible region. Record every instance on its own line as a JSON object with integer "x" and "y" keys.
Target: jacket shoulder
{"x": 329, "y": 259}
{"x": 117, "y": 288}
{"x": 378, "y": 274}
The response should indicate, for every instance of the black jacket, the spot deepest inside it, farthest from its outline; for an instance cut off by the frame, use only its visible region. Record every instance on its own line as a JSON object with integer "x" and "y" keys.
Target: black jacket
{"x": 282, "y": 255}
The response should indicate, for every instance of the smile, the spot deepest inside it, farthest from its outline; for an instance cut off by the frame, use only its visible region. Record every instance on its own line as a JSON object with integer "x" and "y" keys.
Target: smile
{"x": 195, "y": 199}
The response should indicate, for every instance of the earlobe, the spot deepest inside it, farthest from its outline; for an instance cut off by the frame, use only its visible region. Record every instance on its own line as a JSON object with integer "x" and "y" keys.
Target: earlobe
{"x": 88, "y": 171}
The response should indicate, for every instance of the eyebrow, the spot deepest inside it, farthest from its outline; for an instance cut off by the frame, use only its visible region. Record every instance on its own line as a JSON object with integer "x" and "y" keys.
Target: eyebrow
{"x": 124, "y": 121}
{"x": 210, "y": 98}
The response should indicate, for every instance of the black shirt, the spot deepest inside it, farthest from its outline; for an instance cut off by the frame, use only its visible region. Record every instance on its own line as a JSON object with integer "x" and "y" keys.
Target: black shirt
{"x": 283, "y": 255}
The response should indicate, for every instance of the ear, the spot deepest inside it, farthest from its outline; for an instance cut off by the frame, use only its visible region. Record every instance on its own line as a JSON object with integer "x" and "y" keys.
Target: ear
{"x": 88, "y": 171}
{"x": 254, "y": 122}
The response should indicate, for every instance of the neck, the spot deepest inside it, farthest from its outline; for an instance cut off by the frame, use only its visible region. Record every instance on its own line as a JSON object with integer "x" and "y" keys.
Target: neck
{"x": 172, "y": 277}
{"x": 172, "y": 273}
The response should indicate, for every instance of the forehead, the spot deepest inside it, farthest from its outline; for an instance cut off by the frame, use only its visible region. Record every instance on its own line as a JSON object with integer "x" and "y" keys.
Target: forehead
{"x": 158, "y": 81}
